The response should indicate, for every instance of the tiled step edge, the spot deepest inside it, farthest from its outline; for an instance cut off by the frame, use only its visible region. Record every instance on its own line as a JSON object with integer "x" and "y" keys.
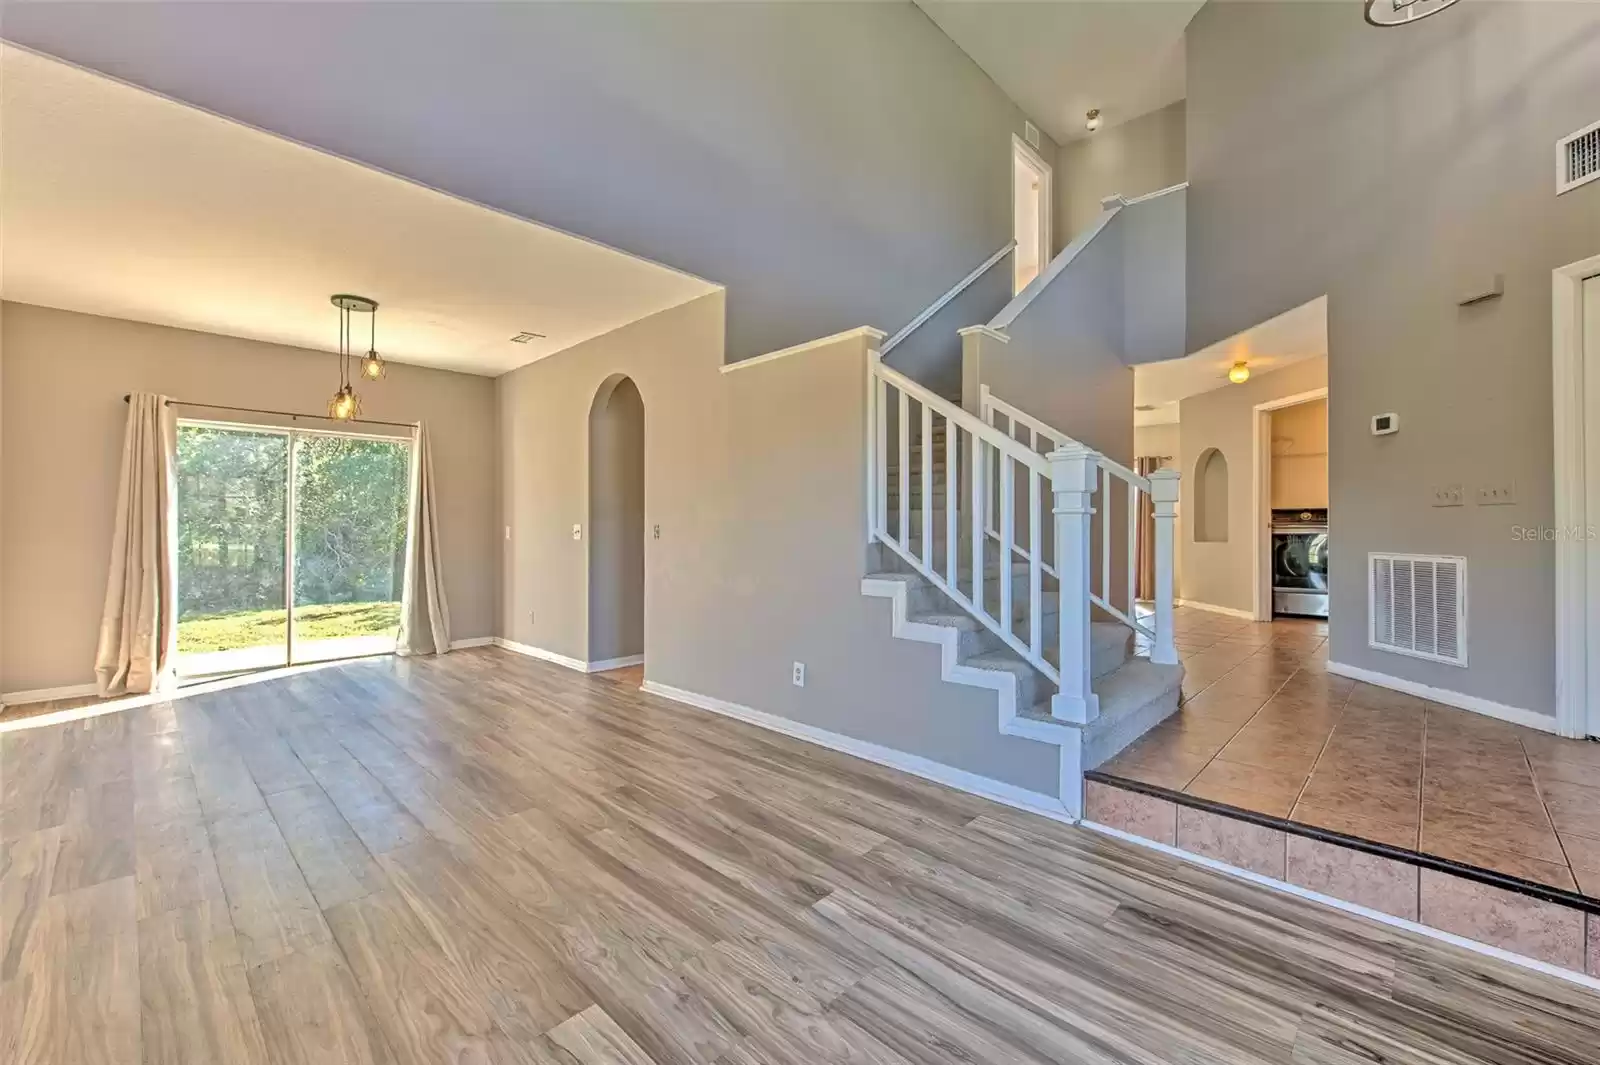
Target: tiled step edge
{"x": 1551, "y": 925}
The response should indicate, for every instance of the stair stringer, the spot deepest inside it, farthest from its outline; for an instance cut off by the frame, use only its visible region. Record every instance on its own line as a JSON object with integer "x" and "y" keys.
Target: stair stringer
{"x": 1067, "y": 738}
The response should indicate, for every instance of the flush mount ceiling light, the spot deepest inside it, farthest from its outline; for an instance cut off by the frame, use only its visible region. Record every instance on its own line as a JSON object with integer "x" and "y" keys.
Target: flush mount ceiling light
{"x": 1403, "y": 12}
{"x": 1093, "y": 119}
{"x": 346, "y": 404}
{"x": 1239, "y": 373}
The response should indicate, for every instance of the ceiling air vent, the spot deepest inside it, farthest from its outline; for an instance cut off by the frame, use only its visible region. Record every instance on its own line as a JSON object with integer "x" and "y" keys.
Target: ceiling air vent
{"x": 1578, "y": 159}
{"x": 523, "y": 338}
{"x": 1417, "y": 606}
{"x": 1030, "y": 133}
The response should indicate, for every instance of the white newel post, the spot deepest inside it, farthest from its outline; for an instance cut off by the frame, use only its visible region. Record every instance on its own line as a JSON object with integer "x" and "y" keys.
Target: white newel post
{"x": 1164, "y": 497}
{"x": 1074, "y": 475}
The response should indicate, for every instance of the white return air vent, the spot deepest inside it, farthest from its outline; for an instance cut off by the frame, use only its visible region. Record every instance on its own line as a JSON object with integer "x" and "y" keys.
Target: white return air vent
{"x": 1578, "y": 159}
{"x": 1417, "y": 605}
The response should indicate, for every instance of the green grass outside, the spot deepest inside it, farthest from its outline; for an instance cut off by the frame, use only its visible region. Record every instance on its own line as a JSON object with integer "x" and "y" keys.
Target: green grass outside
{"x": 253, "y": 628}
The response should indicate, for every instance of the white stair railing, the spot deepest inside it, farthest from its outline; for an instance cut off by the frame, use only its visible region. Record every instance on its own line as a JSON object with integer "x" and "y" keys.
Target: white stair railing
{"x": 943, "y": 537}
{"x": 981, "y": 536}
{"x": 1116, "y": 548}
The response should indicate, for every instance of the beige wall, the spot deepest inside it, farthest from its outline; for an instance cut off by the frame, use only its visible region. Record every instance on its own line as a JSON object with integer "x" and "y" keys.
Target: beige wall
{"x": 1220, "y": 573}
{"x": 1300, "y": 455}
{"x": 1132, "y": 159}
{"x": 1304, "y": 179}
{"x": 1156, "y": 440}
{"x": 64, "y": 378}
{"x": 756, "y": 479}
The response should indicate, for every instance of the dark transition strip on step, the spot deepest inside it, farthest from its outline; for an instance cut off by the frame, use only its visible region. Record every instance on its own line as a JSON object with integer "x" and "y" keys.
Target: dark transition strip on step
{"x": 1504, "y": 881}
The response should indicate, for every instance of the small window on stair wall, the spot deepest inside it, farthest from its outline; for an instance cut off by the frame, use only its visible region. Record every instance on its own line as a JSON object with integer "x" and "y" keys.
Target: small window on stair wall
{"x": 1211, "y": 497}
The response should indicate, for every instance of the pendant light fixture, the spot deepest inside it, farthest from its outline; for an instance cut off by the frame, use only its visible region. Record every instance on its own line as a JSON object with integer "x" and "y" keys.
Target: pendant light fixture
{"x": 346, "y": 403}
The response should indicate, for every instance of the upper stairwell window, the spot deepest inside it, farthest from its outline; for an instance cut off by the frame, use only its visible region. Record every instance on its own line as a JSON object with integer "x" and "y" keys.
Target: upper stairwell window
{"x": 1211, "y": 497}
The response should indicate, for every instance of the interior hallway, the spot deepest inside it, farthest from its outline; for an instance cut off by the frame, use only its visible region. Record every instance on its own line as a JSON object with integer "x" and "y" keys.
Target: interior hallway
{"x": 488, "y": 858}
{"x": 1265, "y": 728}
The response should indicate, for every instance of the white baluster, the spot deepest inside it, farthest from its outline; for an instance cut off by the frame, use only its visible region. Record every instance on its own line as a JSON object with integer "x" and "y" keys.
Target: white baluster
{"x": 979, "y": 526}
{"x": 1074, "y": 473}
{"x": 1105, "y": 534}
{"x": 927, "y": 486}
{"x": 905, "y": 470}
{"x": 1035, "y": 560}
{"x": 1164, "y": 497}
{"x": 950, "y": 432}
{"x": 1008, "y": 538}
{"x": 1133, "y": 546}
{"x": 880, "y": 505}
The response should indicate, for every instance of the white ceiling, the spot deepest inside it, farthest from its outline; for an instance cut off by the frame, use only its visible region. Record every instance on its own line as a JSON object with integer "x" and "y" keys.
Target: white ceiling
{"x": 1301, "y": 333}
{"x": 119, "y": 202}
{"x": 1059, "y": 59}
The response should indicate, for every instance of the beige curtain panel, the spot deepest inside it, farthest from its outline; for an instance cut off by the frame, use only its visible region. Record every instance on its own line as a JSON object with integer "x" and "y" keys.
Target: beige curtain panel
{"x": 424, "y": 614}
{"x": 139, "y": 625}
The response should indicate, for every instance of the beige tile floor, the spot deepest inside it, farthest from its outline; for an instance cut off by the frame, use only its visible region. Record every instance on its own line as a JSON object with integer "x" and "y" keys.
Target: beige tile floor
{"x": 1266, "y": 728}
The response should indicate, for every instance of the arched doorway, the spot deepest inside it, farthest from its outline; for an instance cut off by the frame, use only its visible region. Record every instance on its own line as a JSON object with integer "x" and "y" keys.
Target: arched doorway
{"x": 616, "y": 525}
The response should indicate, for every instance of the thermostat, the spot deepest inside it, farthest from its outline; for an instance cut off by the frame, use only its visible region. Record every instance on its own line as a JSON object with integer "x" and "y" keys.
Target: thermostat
{"x": 1384, "y": 424}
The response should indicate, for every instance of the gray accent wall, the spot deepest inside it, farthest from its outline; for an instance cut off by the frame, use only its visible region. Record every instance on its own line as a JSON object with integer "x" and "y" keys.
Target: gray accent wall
{"x": 832, "y": 164}
{"x": 1131, "y": 159}
{"x": 63, "y": 417}
{"x": 756, "y": 478}
{"x": 1393, "y": 170}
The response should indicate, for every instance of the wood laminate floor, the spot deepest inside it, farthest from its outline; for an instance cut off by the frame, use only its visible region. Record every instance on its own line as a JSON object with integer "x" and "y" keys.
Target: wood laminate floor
{"x": 485, "y": 858}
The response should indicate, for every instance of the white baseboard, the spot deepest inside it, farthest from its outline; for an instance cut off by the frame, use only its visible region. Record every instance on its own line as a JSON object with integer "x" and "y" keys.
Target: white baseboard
{"x": 472, "y": 641}
{"x": 559, "y": 659}
{"x": 615, "y": 663}
{"x": 1350, "y": 907}
{"x": 44, "y": 695}
{"x": 1213, "y": 608}
{"x": 984, "y": 787}
{"x": 1516, "y": 715}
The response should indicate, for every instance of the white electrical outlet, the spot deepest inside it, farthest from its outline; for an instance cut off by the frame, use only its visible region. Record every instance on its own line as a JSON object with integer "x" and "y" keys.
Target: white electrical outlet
{"x": 1502, "y": 494}
{"x": 1447, "y": 495}
{"x": 577, "y": 532}
{"x": 658, "y": 532}
{"x": 799, "y": 674}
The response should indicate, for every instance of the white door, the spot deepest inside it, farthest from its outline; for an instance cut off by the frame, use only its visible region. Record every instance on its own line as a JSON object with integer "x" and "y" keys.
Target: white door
{"x": 1591, "y": 362}
{"x": 1030, "y": 209}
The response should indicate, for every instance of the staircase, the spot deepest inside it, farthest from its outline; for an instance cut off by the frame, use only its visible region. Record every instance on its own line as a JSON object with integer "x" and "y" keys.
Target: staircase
{"x": 965, "y": 546}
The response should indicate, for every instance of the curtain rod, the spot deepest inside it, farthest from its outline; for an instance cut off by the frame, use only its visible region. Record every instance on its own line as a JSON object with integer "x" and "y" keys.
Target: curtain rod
{"x": 280, "y": 413}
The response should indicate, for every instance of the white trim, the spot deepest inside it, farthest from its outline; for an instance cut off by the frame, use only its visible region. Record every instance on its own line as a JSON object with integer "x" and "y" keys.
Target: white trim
{"x": 539, "y": 652}
{"x": 959, "y": 779}
{"x": 44, "y": 695}
{"x": 614, "y": 663}
{"x": 471, "y": 641}
{"x": 1213, "y": 608}
{"x": 1487, "y": 707}
{"x": 1019, "y": 303}
{"x": 984, "y": 331}
{"x": 1283, "y": 886}
{"x": 1575, "y": 714}
{"x": 862, "y": 331}
{"x": 1261, "y": 496}
{"x": 939, "y": 304}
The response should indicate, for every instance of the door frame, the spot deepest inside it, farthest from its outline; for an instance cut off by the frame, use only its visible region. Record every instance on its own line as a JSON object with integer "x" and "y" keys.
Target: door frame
{"x": 1030, "y": 155}
{"x": 1577, "y": 501}
{"x": 289, "y": 433}
{"x": 1261, "y": 496}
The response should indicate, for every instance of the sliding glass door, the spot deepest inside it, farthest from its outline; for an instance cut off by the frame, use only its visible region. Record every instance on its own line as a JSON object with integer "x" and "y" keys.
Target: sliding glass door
{"x": 349, "y": 544}
{"x": 290, "y": 546}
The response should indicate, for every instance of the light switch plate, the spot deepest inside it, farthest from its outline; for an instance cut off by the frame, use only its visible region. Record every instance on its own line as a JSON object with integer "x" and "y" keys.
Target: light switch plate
{"x": 1447, "y": 495}
{"x": 1498, "y": 494}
